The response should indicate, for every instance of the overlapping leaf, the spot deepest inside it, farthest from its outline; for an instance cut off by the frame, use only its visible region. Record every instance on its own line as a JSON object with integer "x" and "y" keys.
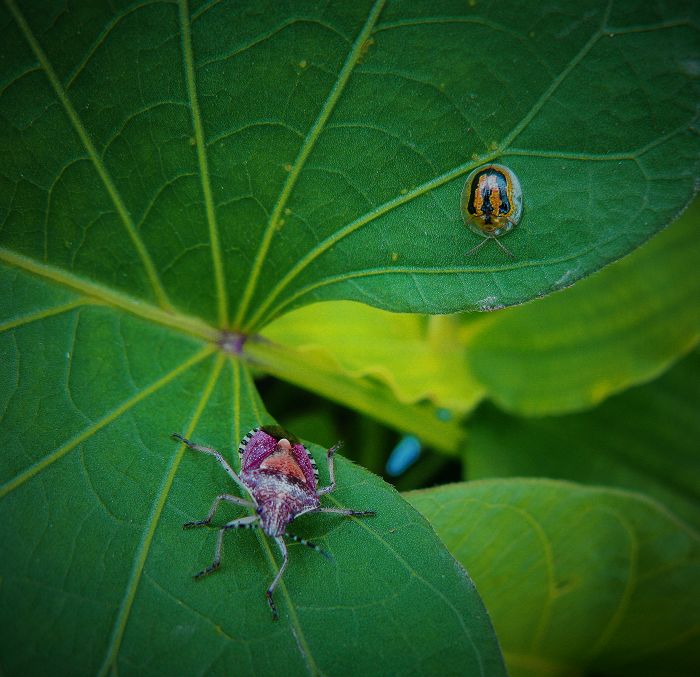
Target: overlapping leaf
{"x": 645, "y": 439}
{"x": 577, "y": 580}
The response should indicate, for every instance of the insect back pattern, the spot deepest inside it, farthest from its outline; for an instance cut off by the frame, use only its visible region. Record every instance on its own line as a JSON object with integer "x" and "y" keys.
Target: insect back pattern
{"x": 492, "y": 203}
{"x": 280, "y": 476}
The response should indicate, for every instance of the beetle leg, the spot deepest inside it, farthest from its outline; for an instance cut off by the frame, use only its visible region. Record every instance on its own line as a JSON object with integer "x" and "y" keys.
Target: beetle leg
{"x": 221, "y": 497}
{"x": 503, "y": 247}
{"x": 479, "y": 246}
{"x": 243, "y": 523}
{"x": 331, "y": 470}
{"x": 276, "y": 580}
{"x": 212, "y": 452}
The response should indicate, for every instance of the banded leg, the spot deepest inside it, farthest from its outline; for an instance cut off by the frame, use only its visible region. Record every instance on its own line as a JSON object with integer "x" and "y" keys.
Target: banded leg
{"x": 215, "y": 505}
{"x": 212, "y": 452}
{"x": 243, "y": 523}
{"x": 331, "y": 470}
{"x": 276, "y": 580}
{"x": 347, "y": 512}
{"x": 308, "y": 544}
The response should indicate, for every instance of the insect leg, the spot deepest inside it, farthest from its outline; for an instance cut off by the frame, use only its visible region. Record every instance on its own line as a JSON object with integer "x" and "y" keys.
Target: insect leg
{"x": 214, "y": 506}
{"x": 212, "y": 452}
{"x": 276, "y": 580}
{"x": 503, "y": 247}
{"x": 347, "y": 512}
{"x": 308, "y": 544}
{"x": 331, "y": 470}
{"x": 243, "y": 523}
{"x": 479, "y": 246}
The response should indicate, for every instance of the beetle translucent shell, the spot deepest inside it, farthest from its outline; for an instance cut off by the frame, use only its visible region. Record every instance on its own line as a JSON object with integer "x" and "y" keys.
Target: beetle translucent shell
{"x": 492, "y": 202}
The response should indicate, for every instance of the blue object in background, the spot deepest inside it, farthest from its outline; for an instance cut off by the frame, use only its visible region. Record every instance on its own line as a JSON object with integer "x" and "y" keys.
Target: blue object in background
{"x": 403, "y": 456}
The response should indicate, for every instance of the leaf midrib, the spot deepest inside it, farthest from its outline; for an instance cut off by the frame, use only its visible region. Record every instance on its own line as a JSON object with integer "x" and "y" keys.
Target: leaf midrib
{"x": 141, "y": 554}
{"x": 216, "y": 254}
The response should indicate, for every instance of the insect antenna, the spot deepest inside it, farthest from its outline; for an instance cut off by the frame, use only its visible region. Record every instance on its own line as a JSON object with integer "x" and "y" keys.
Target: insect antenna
{"x": 308, "y": 544}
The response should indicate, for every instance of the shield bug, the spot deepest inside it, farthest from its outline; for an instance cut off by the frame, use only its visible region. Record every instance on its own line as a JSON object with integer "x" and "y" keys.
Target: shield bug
{"x": 280, "y": 476}
{"x": 492, "y": 203}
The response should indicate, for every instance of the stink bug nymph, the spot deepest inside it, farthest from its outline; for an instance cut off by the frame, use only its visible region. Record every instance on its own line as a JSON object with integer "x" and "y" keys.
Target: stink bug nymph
{"x": 280, "y": 476}
{"x": 492, "y": 203}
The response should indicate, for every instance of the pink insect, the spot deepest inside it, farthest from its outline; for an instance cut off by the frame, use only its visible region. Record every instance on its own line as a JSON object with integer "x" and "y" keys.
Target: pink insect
{"x": 280, "y": 475}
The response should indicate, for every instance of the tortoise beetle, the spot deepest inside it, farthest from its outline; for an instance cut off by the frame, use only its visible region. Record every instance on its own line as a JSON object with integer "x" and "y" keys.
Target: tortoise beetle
{"x": 280, "y": 476}
{"x": 492, "y": 203}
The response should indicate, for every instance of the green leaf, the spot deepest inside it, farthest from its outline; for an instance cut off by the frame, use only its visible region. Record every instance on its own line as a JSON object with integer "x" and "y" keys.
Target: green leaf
{"x": 233, "y": 164}
{"x": 94, "y": 494}
{"x": 644, "y": 439}
{"x": 577, "y": 580}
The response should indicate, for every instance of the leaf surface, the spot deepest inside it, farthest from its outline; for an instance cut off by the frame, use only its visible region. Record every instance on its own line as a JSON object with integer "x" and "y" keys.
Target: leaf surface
{"x": 93, "y": 495}
{"x": 577, "y": 580}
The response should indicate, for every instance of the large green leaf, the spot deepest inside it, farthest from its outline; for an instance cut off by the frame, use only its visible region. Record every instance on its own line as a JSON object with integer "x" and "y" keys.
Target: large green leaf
{"x": 645, "y": 439}
{"x": 577, "y": 580}
{"x": 233, "y": 160}
{"x": 96, "y": 571}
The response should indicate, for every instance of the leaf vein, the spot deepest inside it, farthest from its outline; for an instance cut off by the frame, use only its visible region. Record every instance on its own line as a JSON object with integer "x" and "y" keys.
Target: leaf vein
{"x": 105, "y": 420}
{"x": 100, "y": 167}
{"x": 184, "y": 323}
{"x": 141, "y": 554}
{"x": 217, "y": 259}
{"x": 304, "y": 152}
{"x": 42, "y": 314}
{"x": 297, "y": 631}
